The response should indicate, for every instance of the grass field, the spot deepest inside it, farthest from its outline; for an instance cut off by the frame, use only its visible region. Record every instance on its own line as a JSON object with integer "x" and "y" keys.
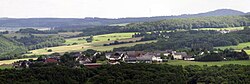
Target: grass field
{"x": 97, "y": 44}
{"x": 100, "y": 38}
{"x": 185, "y": 63}
{"x": 82, "y": 47}
{"x": 11, "y": 61}
{"x": 240, "y": 46}
{"x": 8, "y": 66}
{"x": 237, "y": 47}
{"x": 230, "y": 28}
{"x": 64, "y": 34}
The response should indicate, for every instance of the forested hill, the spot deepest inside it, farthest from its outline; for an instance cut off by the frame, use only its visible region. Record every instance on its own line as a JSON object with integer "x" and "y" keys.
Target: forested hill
{"x": 89, "y": 22}
{"x": 190, "y": 23}
{"x": 10, "y": 47}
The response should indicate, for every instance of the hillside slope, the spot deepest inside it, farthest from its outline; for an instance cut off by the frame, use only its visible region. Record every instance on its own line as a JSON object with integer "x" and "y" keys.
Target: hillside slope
{"x": 10, "y": 48}
{"x": 189, "y": 23}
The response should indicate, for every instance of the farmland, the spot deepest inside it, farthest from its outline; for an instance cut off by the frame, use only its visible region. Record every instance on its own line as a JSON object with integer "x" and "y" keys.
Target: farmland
{"x": 97, "y": 43}
{"x": 11, "y": 61}
{"x": 101, "y": 38}
{"x": 237, "y": 47}
{"x": 240, "y": 46}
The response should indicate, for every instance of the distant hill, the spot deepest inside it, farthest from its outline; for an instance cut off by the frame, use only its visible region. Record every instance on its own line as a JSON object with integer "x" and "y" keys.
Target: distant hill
{"x": 89, "y": 22}
{"x": 219, "y": 12}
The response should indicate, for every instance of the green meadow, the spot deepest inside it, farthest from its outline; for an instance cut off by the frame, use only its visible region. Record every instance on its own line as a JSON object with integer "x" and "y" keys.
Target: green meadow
{"x": 97, "y": 43}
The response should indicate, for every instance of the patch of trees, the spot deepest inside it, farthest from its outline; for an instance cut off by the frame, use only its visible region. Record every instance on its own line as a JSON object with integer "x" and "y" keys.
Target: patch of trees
{"x": 4, "y": 32}
{"x": 191, "y": 39}
{"x": 129, "y": 74}
{"x": 223, "y": 55}
{"x": 56, "y": 75}
{"x": 90, "y": 39}
{"x": 117, "y": 43}
{"x": 35, "y": 31}
{"x": 189, "y": 23}
{"x": 35, "y": 42}
{"x": 10, "y": 48}
{"x": 100, "y": 30}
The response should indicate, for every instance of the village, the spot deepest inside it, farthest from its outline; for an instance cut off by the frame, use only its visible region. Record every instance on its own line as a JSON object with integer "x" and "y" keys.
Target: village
{"x": 111, "y": 58}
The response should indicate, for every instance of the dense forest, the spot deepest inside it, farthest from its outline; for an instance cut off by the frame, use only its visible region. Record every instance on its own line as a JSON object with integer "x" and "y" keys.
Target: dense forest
{"x": 35, "y": 42}
{"x": 171, "y": 24}
{"x": 129, "y": 74}
{"x": 13, "y": 47}
{"x": 35, "y": 31}
{"x": 191, "y": 40}
{"x": 189, "y": 23}
{"x": 10, "y": 48}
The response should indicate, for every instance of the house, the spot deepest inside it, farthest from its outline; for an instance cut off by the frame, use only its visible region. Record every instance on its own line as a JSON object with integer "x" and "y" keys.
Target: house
{"x": 84, "y": 60}
{"x": 75, "y": 54}
{"x": 179, "y": 55}
{"x": 189, "y": 58}
{"x": 93, "y": 65}
{"x": 142, "y": 57}
{"x": 51, "y": 60}
{"x": 21, "y": 64}
{"x": 116, "y": 57}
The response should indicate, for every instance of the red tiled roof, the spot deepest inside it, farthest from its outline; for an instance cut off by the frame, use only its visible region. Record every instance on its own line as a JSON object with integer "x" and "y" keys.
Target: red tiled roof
{"x": 51, "y": 60}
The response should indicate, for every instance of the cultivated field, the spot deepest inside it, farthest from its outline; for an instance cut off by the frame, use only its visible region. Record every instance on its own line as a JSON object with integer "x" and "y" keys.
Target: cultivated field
{"x": 100, "y": 38}
{"x": 237, "y": 47}
{"x": 11, "y": 61}
{"x": 185, "y": 63}
{"x": 97, "y": 43}
{"x": 240, "y": 46}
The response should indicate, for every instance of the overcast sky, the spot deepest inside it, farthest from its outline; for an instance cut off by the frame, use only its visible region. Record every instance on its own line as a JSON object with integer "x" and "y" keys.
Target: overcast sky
{"x": 113, "y": 8}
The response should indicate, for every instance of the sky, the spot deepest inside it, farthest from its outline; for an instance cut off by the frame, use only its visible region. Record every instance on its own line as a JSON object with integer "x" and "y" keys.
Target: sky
{"x": 113, "y": 8}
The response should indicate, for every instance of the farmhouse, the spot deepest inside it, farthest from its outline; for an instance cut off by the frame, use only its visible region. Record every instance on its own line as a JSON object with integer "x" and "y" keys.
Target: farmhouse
{"x": 115, "y": 58}
{"x": 142, "y": 57}
{"x": 51, "y": 60}
{"x": 84, "y": 60}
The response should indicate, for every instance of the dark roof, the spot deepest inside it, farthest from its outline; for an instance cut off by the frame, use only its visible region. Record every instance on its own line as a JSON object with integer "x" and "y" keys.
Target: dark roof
{"x": 184, "y": 54}
{"x": 131, "y": 59}
{"x": 135, "y": 53}
{"x": 140, "y": 58}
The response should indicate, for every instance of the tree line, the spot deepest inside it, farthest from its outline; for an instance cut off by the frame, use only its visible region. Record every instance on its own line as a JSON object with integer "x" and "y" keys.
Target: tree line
{"x": 129, "y": 74}
{"x": 189, "y": 23}
{"x": 190, "y": 40}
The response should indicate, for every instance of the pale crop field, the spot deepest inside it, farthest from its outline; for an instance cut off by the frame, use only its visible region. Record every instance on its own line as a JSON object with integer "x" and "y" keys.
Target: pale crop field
{"x": 97, "y": 44}
{"x": 11, "y": 61}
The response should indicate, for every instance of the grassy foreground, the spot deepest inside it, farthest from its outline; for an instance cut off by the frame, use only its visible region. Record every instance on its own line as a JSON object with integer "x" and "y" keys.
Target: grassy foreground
{"x": 219, "y": 63}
